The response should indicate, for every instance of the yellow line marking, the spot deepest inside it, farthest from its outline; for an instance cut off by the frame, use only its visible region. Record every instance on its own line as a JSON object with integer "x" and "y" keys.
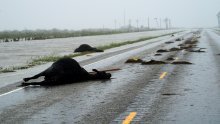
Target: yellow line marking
{"x": 129, "y": 118}
{"x": 163, "y": 75}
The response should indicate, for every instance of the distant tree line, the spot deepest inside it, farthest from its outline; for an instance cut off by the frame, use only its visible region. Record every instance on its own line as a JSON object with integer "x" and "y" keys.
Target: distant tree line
{"x": 25, "y": 35}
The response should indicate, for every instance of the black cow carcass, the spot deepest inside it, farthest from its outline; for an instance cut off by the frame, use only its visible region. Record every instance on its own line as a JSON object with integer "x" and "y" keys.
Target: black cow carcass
{"x": 66, "y": 70}
{"x": 87, "y": 48}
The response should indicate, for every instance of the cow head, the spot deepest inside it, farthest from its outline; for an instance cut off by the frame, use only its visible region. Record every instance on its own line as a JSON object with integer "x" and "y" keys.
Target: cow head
{"x": 101, "y": 74}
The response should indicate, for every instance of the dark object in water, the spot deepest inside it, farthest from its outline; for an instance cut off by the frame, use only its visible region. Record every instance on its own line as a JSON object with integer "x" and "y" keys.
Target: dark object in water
{"x": 66, "y": 70}
{"x": 218, "y": 54}
{"x": 169, "y": 42}
{"x": 199, "y": 50}
{"x": 181, "y": 62}
{"x": 153, "y": 62}
{"x": 134, "y": 60}
{"x": 169, "y": 94}
{"x": 191, "y": 41}
{"x": 175, "y": 49}
{"x": 187, "y": 47}
{"x": 178, "y": 39}
{"x": 181, "y": 44}
{"x": 162, "y": 50}
{"x": 157, "y": 54}
{"x": 87, "y": 48}
{"x": 171, "y": 59}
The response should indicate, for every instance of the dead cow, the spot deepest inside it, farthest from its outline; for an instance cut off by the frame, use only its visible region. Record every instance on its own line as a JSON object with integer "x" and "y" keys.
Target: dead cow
{"x": 162, "y": 50}
{"x": 66, "y": 70}
{"x": 87, "y": 48}
{"x": 153, "y": 62}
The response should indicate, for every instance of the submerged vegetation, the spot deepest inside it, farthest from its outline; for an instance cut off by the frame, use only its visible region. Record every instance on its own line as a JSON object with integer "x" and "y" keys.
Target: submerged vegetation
{"x": 51, "y": 58}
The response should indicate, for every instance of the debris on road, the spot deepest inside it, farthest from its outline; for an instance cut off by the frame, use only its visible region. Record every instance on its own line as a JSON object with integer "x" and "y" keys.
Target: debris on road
{"x": 178, "y": 39}
{"x": 134, "y": 60}
{"x": 188, "y": 46}
{"x": 162, "y": 50}
{"x": 175, "y": 49}
{"x": 169, "y": 42}
{"x": 170, "y": 59}
{"x": 181, "y": 62}
{"x": 169, "y": 94}
{"x": 157, "y": 54}
{"x": 153, "y": 62}
{"x": 198, "y": 50}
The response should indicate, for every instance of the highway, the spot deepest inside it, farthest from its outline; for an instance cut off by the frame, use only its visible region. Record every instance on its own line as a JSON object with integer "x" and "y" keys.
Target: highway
{"x": 137, "y": 93}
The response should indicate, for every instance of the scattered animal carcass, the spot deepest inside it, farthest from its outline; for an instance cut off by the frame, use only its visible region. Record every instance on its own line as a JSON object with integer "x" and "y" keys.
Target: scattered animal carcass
{"x": 181, "y": 62}
{"x": 153, "y": 62}
{"x": 180, "y": 44}
{"x": 188, "y": 46}
{"x": 191, "y": 40}
{"x": 198, "y": 50}
{"x": 157, "y": 54}
{"x": 169, "y": 42}
{"x": 87, "y": 48}
{"x": 170, "y": 59}
{"x": 178, "y": 39}
{"x": 134, "y": 60}
{"x": 175, "y": 49}
{"x": 162, "y": 50}
{"x": 66, "y": 70}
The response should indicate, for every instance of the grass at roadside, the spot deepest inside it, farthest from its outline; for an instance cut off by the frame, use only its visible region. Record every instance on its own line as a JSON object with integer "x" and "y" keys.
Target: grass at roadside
{"x": 52, "y": 58}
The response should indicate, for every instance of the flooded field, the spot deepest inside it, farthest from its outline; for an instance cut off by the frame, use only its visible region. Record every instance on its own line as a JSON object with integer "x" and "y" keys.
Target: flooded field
{"x": 19, "y": 53}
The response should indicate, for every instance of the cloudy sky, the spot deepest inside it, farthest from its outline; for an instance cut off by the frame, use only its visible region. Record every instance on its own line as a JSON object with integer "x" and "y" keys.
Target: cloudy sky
{"x": 81, "y": 14}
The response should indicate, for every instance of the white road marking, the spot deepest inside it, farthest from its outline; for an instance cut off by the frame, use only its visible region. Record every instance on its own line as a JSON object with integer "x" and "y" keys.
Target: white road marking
{"x": 12, "y": 91}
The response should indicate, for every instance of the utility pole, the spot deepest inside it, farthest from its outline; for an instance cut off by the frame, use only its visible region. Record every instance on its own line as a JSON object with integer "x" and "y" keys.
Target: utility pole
{"x": 166, "y": 22}
{"x": 218, "y": 16}
{"x": 160, "y": 23}
{"x": 124, "y": 18}
{"x": 129, "y": 27}
{"x": 170, "y": 23}
{"x": 115, "y": 24}
{"x": 156, "y": 22}
{"x": 137, "y": 25}
{"x": 148, "y": 23}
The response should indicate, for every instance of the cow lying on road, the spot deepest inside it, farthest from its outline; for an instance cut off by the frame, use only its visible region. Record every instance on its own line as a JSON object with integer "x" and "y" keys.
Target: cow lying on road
{"x": 87, "y": 48}
{"x": 66, "y": 70}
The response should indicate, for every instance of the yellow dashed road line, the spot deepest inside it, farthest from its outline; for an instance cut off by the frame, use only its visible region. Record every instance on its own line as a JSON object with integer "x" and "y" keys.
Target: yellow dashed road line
{"x": 129, "y": 118}
{"x": 163, "y": 75}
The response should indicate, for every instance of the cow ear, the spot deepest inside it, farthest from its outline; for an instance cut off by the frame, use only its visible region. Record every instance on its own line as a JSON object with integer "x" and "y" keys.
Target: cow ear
{"x": 95, "y": 70}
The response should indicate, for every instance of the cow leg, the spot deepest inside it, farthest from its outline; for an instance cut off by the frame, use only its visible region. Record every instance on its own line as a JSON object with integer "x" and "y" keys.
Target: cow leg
{"x": 34, "y": 77}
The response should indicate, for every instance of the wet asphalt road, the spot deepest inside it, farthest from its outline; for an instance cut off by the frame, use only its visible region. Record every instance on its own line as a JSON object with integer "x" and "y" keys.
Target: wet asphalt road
{"x": 136, "y": 93}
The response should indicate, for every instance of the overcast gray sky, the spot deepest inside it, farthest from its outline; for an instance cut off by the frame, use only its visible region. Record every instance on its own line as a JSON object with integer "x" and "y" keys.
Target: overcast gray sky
{"x": 81, "y": 14}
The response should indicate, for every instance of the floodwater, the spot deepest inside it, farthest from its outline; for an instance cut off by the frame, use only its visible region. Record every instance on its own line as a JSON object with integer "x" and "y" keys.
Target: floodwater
{"x": 19, "y": 53}
{"x": 188, "y": 93}
{"x": 80, "y": 102}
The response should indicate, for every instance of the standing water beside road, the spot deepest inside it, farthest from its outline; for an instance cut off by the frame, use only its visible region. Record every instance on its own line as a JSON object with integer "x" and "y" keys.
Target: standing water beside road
{"x": 19, "y": 53}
